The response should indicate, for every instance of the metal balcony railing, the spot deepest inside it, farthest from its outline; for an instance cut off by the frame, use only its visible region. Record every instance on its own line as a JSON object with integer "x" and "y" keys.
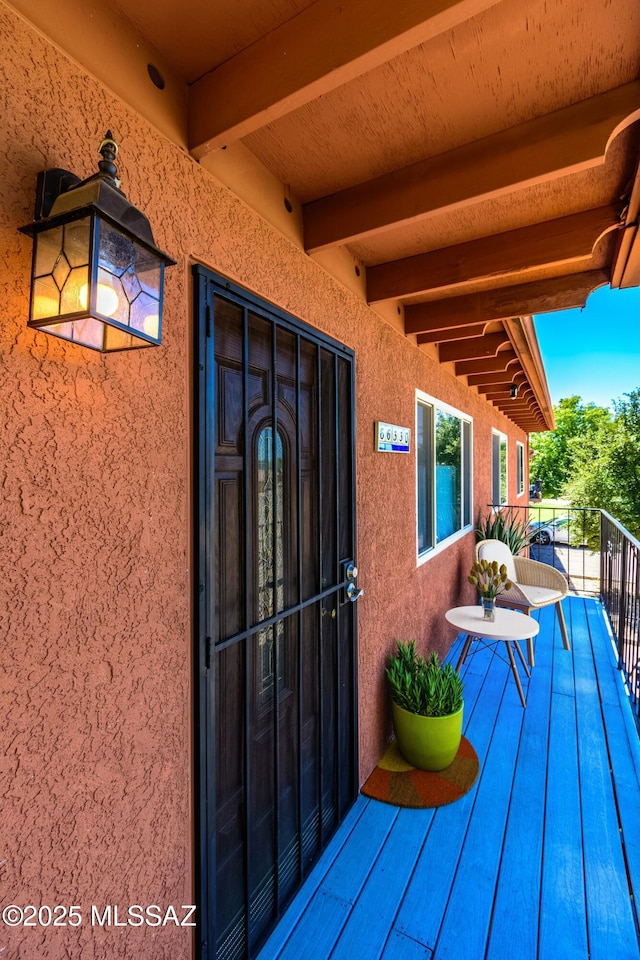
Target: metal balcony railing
{"x": 620, "y": 592}
{"x": 565, "y": 538}
{"x": 600, "y": 559}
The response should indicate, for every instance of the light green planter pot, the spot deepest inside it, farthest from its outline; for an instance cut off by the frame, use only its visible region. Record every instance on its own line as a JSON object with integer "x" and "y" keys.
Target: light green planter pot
{"x": 429, "y": 743}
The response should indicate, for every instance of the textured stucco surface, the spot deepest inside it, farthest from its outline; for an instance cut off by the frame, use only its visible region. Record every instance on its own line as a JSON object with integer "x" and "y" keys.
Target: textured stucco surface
{"x": 96, "y": 768}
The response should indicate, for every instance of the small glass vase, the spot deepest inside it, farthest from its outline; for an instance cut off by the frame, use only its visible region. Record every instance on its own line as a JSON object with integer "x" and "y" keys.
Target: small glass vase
{"x": 488, "y": 608}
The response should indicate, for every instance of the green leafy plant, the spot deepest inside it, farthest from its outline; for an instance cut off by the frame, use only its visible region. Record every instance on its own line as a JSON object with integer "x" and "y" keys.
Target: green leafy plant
{"x": 506, "y": 526}
{"x": 489, "y": 578}
{"x": 426, "y": 687}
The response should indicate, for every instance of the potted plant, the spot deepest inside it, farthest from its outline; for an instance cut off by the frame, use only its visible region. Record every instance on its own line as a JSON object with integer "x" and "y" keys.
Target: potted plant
{"x": 506, "y": 526}
{"x": 491, "y": 580}
{"x": 427, "y": 705}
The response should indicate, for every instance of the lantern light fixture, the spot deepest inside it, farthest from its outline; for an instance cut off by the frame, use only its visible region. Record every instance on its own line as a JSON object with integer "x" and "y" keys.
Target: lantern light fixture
{"x": 97, "y": 276}
{"x": 513, "y": 391}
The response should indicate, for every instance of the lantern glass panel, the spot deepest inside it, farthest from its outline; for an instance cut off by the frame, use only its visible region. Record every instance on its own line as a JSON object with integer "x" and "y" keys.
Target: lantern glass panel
{"x": 96, "y": 334}
{"x": 61, "y": 271}
{"x": 115, "y": 339}
{"x": 89, "y": 332}
{"x": 74, "y": 292}
{"x": 110, "y": 299}
{"x": 149, "y": 269}
{"x": 63, "y": 330}
{"x": 48, "y": 248}
{"x": 145, "y": 315}
{"x": 77, "y": 242}
{"x": 115, "y": 250}
{"x": 45, "y": 301}
{"x": 131, "y": 285}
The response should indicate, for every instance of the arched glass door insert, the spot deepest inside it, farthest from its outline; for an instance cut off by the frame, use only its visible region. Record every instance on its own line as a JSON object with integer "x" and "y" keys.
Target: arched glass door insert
{"x": 270, "y": 556}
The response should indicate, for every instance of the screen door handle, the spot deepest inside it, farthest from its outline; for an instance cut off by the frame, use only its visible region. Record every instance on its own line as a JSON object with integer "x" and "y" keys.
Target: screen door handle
{"x": 353, "y": 593}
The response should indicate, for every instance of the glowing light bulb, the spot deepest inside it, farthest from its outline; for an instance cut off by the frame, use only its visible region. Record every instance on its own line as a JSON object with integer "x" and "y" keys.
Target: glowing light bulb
{"x": 107, "y": 301}
{"x": 150, "y": 324}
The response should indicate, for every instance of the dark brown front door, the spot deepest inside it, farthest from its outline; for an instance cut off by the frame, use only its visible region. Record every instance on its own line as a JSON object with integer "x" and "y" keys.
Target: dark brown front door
{"x": 276, "y": 631}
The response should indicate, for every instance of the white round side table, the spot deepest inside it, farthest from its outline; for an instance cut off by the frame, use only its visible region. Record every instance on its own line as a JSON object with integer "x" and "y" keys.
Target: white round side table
{"x": 509, "y": 627}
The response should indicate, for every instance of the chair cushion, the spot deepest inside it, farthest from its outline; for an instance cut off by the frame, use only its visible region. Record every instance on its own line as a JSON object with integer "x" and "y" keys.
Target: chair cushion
{"x": 539, "y": 596}
{"x": 496, "y": 550}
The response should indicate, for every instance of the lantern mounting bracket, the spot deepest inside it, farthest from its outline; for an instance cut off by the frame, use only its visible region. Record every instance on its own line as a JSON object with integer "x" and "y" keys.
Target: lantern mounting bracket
{"x": 51, "y": 183}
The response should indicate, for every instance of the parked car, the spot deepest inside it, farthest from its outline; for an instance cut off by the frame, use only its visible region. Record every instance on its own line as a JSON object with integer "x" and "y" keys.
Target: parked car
{"x": 549, "y": 531}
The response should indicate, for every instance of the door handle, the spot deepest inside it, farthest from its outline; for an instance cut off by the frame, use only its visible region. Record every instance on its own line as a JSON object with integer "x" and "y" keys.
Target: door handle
{"x": 350, "y": 590}
{"x": 353, "y": 593}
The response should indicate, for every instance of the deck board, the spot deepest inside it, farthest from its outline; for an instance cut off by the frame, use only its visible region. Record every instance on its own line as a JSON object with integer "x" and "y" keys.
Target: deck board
{"x": 515, "y": 922}
{"x": 464, "y": 930}
{"x": 610, "y": 922}
{"x": 534, "y": 863}
{"x": 426, "y": 900}
{"x": 562, "y": 912}
{"x": 385, "y": 887}
{"x": 398, "y": 946}
{"x": 291, "y": 920}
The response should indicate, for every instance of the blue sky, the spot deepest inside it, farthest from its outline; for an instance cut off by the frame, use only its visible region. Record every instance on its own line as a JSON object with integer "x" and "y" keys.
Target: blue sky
{"x": 593, "y": 352}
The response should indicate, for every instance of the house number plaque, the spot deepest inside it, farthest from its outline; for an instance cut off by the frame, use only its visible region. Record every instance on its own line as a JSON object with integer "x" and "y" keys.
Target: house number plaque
{"x": 390, "y": 438}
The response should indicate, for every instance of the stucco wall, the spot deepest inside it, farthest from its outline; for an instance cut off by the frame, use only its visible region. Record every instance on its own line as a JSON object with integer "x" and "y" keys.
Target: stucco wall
{"x": 96, "y": 770}
{"x": 403, "y": 600}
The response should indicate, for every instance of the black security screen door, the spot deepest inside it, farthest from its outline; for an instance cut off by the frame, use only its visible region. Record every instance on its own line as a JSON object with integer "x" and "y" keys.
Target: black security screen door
{"x": 276, "y": 631}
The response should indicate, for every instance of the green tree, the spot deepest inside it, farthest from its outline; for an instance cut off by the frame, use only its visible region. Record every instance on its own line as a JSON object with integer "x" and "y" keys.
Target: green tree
{"x": 605, "y": 466}
{"x": 553, "y": 451}
{"x": 448, "y": 439}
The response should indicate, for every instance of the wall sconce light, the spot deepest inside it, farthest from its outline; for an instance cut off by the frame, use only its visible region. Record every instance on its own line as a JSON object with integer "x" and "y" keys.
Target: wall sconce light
{"x": 96, "y": 276}
{"x": 513, "y": 391}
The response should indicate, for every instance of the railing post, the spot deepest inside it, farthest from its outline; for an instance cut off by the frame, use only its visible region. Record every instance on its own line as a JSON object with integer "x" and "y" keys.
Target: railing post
{"x": 602, "y": 557}
{"x": 622, "y": 609}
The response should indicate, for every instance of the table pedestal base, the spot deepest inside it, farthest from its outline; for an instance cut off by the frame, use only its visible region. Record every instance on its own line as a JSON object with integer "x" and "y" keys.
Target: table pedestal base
{"x": 511, "y": 645}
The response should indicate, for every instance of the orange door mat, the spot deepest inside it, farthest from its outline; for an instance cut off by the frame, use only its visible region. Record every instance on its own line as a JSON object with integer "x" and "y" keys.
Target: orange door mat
{"x": 395, "y": 781}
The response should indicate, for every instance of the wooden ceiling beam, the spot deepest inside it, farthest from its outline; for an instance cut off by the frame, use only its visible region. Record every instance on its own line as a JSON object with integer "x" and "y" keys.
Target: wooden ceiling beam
{"x": 499, "y": 384}
{"x": 522, "y": 412}
{"x": 506, "y": 377}
{"x": 447, "y": 334}
{"x": 516, "y": 414}
{"x": 534, "y": 413}
{"x": 473, "y": 349}
{"x": 526, "y": 398}
{"x": 520, "y": 402}
{"x": 419, "y": 319}
{"x": 519, "y": 414}
{"x": 568, "y": 140}
{"x": 541, "y": 296}
{"x": 529, "y": 426}
{"x": 626, "y": 261}
{"x": 488, "y": 387}
{"x": 564, "y": 240}
{"x": 525, "y": 393}
{"x": 496, "y": 364}
{"x": 327, "y": 44}
{"x": 524, "y": 340}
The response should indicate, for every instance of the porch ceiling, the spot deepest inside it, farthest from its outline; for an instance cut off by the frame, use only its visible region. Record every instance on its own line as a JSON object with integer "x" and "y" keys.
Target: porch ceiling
{"x": 476, "y": 157}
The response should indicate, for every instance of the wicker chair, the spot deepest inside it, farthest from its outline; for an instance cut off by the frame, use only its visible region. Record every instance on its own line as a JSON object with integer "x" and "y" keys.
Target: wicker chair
{"x": 535, "y": 585}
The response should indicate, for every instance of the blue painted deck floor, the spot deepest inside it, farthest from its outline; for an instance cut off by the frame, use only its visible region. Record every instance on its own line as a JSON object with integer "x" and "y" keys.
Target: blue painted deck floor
{"x": 539, "y": 861}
